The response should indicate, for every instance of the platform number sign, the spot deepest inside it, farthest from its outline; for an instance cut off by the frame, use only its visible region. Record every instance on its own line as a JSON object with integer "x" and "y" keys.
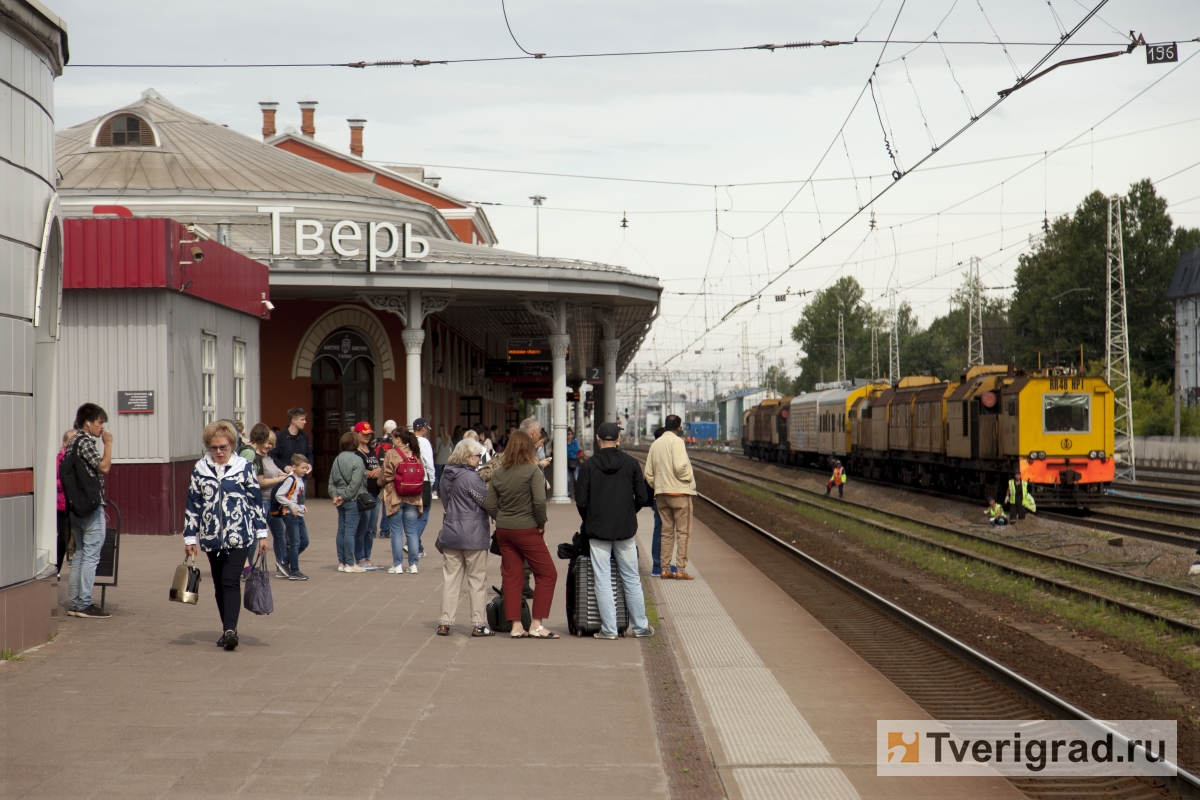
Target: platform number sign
{"x": 1162, "y": 53}
{"x": 595, "y": 375}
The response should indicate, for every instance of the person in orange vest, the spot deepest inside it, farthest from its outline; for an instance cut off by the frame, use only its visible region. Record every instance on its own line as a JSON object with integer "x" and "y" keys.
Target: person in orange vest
{"x": 838, "y": 479}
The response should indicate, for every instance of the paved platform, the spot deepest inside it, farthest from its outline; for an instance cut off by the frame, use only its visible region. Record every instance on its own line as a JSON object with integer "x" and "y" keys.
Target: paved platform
{"x": 345, "y": 691}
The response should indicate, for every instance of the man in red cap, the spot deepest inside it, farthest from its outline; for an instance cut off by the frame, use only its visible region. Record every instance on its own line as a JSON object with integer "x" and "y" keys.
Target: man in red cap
{"x": 364, "y": 536}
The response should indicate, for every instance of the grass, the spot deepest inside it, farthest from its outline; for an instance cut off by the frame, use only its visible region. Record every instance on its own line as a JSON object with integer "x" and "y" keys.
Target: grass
{"x": 1080, "y": 613}
{"x": 10, "y": 655}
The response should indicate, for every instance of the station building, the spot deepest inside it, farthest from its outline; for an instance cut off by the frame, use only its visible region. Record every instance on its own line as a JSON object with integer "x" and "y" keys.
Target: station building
{"x": 33, "y": 51}
{"x": 353, "y": 290}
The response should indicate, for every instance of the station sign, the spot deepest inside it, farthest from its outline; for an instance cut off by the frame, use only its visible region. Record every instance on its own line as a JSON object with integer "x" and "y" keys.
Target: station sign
{"x": 595, "y": 375}
{"x": 310, "y": 238}
{"x": 499, "y": 369}
{"x": 531, "y": 350}
{"x": 135, "y": 401}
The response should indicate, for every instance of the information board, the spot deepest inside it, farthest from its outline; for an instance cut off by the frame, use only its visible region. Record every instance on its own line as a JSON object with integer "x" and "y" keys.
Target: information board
{"x": 135, "y": 401}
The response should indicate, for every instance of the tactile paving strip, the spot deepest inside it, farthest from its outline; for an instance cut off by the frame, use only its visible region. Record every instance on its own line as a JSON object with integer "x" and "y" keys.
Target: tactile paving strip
{"x": 794, "y": 783}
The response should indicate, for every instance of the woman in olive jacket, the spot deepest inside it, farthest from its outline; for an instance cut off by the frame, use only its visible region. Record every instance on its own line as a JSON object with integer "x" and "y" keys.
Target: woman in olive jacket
{"x": 516, "y": 499}
{"x": 347, "y": 480}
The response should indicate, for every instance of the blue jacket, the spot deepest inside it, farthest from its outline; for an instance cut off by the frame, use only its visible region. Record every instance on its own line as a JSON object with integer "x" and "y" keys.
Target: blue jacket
{"x": 226, "y": 512}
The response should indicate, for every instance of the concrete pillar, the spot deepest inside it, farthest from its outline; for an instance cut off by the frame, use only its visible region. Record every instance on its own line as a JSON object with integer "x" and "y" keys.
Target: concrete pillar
{"x": 559, "y": 342}
{"x": 577, "y": 414}
{"x": 609, "y": 349}
{"x": 414, "y": 341}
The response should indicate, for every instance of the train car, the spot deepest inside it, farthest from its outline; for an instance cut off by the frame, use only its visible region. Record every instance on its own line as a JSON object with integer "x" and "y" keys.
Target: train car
{"x": 967, "y": 437}
{"x": 765, "y": 432}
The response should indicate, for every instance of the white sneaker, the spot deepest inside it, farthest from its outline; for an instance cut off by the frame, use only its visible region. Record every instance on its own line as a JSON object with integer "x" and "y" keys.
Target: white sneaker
{"x": 341, "y": 567}
{"x": 412, "y": 569}
{"x": 354, "y": 568}
{"x": 406, "y": 548}
{"x": 396, "y": 570}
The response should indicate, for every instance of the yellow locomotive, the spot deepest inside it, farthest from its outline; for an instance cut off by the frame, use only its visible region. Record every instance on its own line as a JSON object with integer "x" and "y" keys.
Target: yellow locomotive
{"x": 968, "y": 437}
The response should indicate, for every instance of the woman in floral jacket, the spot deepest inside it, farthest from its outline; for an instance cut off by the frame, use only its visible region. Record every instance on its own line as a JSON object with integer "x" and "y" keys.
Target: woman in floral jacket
{"x": 224, "y": 517}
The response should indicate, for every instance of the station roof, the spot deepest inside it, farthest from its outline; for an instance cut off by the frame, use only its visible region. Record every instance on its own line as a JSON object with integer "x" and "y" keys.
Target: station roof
{"x": 206, "y": 174}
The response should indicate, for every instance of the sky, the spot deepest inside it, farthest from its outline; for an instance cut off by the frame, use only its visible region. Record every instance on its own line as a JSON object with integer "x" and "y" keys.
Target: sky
{"x": 743, "y": 129}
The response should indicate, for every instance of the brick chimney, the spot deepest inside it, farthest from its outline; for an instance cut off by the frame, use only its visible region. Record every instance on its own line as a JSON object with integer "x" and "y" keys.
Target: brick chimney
{"x": 356, "y": 129}
{"x": 307, "y": 107}
{"x": 268, "y": 111}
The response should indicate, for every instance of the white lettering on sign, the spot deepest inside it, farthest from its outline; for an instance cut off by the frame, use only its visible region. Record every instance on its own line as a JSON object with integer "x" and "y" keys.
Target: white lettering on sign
{"x": 309, "y": 241}
{"x": 275, "y": 211}
{"x": 409, "y": 241}
{"x": 373, "y": 251}
{"x": 337, "y": 236}
{"x": 302, "y": 236}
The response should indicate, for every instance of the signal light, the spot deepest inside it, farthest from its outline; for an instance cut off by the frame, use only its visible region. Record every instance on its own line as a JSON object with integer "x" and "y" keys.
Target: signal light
{"x": 1100, "y": 454}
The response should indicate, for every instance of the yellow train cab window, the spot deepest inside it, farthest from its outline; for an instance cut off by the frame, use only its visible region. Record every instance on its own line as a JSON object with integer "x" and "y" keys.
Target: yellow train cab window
{"x": 1067, "y": 413}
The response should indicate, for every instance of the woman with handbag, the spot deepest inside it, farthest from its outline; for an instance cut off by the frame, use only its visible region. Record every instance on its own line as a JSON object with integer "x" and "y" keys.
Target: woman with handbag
{"x": 347, "y": 481}
{"x": 516, "y": 499}
{"x": 224, "y": 517}
{"x": 464, "y": 538}
{"x": 404, "y": 509}
{"x": 364, "y": 539}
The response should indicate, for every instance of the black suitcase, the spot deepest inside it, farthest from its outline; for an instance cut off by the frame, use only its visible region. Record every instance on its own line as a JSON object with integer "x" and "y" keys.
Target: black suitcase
{"x": 583, "y": 613}
{"x": 495, "y": 614}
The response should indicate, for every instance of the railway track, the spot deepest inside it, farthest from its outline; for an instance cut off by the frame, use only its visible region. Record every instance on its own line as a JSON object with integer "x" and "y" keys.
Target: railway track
{"x": 1136, "y": 527}
{"x": 945, "y": 676}
{"x": 847, "y": 509}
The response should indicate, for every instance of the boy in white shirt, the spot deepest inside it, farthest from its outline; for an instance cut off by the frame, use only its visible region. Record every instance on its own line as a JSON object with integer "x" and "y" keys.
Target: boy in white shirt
{"x": 289, "y": 505}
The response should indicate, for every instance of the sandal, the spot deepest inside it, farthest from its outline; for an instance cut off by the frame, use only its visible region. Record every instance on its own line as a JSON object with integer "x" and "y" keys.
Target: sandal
{"x": 541, "y": 632}
{"x": 483, "y": 630}
{"x": 443, "y": 630}
{"x": 521, "y": 635}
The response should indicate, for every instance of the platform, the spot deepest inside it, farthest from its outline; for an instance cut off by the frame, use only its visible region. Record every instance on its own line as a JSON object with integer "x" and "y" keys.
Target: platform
{"x": 345, "y": 691}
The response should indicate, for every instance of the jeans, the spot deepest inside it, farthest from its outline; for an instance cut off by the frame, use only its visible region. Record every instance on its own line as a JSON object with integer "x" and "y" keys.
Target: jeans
{"x": 627, "y": 566}
{"x": 227, "y": 583}
{"x": 406, "y": 520}
{"x": 89, "y": 538}
{"x": 346, "y": 530}
{"x": 656, "y": 540}
{"x": 279, "y": 541}
{"x": 364, "y": 535}
{"x": 297, "y": 540}
{"x": 438, "y": 469}
{"x": 427, "y": 500}
{"x": 385, "y": 522}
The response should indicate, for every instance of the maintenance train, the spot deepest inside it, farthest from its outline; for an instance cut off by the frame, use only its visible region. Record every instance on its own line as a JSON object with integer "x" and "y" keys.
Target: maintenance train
{"x": 967, "y": 437}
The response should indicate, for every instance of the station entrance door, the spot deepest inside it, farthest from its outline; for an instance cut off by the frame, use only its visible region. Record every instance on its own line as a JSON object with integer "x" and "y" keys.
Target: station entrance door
{"x": 343, "y": 393}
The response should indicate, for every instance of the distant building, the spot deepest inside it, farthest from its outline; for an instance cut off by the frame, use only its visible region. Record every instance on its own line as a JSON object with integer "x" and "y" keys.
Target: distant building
{"x": 1185, "y": 291}
{"x": 729, "y": 410}
{"x": 657, "y": 410}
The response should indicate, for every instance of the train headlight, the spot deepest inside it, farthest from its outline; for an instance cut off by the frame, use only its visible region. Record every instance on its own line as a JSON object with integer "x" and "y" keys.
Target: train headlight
{"x": 1037, "y": 455}
{"x": 1100, "y": 454}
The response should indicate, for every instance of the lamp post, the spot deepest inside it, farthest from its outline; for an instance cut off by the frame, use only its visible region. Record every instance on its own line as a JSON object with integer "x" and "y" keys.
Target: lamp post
{"x": 537, "y": 210}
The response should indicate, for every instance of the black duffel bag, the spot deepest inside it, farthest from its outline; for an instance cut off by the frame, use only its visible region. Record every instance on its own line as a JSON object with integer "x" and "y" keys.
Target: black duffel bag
{"x": 495, "y": 614}
{"x": 80, "y": 487}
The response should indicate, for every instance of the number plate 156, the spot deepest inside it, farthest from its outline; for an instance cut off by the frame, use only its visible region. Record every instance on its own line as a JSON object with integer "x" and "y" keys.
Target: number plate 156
{"x": 1161, "y": 53}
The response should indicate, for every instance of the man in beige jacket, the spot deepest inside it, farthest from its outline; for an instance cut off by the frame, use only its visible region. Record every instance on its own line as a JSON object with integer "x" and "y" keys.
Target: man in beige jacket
{"x": 669, "y": 473}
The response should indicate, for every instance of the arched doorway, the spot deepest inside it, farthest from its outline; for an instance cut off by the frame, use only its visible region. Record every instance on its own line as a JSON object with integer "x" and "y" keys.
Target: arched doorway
{"x": 343, "y": 392}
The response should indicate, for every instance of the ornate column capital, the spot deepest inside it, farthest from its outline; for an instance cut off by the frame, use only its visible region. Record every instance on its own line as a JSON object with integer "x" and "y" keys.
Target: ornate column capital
{"x": 559, "y": 343}
{"x": 610, "y": 349}
{"x": 414, "y": 340}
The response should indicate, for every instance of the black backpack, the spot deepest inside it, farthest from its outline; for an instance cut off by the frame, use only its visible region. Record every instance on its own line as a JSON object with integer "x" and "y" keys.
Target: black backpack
{"x": 80, "y": 488}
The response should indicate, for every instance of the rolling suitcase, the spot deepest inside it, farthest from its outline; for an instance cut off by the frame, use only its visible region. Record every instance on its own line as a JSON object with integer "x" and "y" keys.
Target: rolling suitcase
{"x": 583, "y": 613}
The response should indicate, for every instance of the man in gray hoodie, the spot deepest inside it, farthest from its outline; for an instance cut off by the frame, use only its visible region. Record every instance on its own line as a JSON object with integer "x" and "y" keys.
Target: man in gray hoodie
{"x": 609, "y": 492}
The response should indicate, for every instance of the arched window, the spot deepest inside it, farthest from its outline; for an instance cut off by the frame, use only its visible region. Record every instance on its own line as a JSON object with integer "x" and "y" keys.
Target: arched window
{"x": 125, "y": 130}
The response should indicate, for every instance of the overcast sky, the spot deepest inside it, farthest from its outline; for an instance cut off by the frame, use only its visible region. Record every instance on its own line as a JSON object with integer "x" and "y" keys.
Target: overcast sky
{"x": 720, "y": 119}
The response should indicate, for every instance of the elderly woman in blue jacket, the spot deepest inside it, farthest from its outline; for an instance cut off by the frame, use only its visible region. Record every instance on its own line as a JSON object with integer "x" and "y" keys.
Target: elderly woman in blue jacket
{"x": 465, "y": 536}
{"x": 224, "y": 518}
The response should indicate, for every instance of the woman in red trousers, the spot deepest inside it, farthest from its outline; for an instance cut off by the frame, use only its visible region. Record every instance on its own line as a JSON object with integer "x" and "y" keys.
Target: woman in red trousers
{"x": 516, "y": 499}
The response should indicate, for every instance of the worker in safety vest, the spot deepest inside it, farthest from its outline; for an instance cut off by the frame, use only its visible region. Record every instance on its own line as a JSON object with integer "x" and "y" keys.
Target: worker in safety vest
{"x": 1019, "y": 500}
{"x": 838, "y": 479}
{"x": 995, "y": 512}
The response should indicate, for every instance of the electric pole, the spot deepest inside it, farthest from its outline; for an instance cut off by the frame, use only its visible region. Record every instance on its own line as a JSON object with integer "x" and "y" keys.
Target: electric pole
{"x": 975, "y": 317}
{"x": 537, "y": 212}
{"x": 894, "y": 344}
{"x": 874, "y": 353}
{"x": 841, "y": 353}
{"x": 1117, "y": 347}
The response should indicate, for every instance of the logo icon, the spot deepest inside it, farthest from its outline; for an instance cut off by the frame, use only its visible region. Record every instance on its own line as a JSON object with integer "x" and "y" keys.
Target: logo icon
{"x": 902, "y": 751}
{"x": 346, "y": 345}
{"x": 1066, "y": 444}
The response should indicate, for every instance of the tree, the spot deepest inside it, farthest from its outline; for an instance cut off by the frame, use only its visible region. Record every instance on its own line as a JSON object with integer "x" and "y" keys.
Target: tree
{"x": 817, "y": 334}
{"x": 1060, "y": 299}
{"x": 941, "y": 349}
